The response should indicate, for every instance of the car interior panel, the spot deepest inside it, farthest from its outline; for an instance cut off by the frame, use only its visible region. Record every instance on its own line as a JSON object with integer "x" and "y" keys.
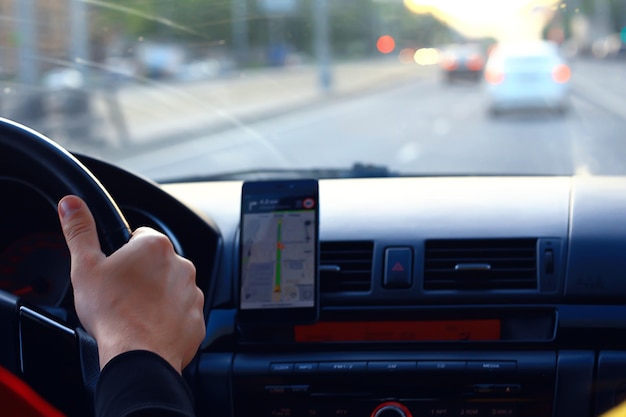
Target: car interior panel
{"x": 460, "y": 250}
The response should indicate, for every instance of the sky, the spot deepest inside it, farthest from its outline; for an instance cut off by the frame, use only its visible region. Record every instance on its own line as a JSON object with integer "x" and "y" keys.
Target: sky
{"x": 502, "y": 19}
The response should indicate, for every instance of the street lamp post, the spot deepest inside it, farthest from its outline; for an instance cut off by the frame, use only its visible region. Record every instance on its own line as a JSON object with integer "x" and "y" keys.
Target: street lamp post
{"x": 322, "y": 44}
{"x": 79, "y": 37}
{"x": 240, "y": 30}
{"x": 28, "y": 66}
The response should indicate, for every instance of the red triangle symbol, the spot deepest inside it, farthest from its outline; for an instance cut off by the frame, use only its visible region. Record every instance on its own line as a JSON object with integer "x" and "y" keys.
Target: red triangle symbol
{"x": 397, "y": 267}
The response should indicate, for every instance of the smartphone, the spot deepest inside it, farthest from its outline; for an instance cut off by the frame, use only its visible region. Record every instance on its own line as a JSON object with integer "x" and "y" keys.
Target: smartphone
{"x": 279, "y": 252}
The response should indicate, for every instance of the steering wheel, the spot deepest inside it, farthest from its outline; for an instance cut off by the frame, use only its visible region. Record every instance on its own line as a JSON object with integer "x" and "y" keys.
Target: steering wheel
{"x": 34, "y": 342}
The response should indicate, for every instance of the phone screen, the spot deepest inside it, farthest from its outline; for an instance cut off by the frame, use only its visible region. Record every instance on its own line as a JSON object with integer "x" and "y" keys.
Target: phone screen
{"x": 279, "y": 247}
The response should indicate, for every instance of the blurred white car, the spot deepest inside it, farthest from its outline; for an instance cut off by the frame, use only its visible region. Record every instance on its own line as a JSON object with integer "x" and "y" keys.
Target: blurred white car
{"x": 527, "y": 76}
{"x": 62, "y": 79}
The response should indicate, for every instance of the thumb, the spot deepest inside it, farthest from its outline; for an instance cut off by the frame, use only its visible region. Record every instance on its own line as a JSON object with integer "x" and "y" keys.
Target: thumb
{"x": 79, "y": 229}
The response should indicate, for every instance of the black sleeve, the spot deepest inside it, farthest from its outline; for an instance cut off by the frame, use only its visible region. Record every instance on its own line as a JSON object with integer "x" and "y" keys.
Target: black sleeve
{"x": 141, "y": 383}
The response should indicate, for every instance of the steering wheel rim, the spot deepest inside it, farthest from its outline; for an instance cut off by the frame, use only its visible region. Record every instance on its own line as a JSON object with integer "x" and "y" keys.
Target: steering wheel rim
{"x": 28, "y": 156}
{"x": 57, "y": 173}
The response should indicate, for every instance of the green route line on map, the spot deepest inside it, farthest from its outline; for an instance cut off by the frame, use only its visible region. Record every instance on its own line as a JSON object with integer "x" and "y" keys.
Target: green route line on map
{"x": 278, "y": 255}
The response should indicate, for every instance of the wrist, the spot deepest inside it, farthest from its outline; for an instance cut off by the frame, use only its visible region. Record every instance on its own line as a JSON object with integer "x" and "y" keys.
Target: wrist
{"x": 107, "y": 352}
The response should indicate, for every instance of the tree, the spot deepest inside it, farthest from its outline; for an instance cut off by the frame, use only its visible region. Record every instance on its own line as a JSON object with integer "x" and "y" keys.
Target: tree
{"x": 200, "y": 22}
{"x": 202, "y": 25}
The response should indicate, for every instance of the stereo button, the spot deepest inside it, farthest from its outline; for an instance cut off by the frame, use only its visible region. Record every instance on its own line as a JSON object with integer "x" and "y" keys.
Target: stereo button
{"x": 276, "y": 389}
{"x": 484, "y": 388}
{"x": 507, "y": 388}
{"x": 491, "y": 366}
{"x": 441, "y": 411}
{"x": 305, "y": 367}
{"x": 471, "y": 411}
{"x": 441, "y": 365}
{"x": 392, "y": 366}
{"x": 502, "y": 411}
{"x": 281, "y": 368}
{"x": 343, "y": 367}
{"x": 283, "y": 389}
{"x": 281, "y": 411}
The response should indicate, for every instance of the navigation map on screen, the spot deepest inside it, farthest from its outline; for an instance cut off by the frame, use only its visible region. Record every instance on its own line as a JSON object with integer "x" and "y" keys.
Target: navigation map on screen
{"x": 278, "y": 253}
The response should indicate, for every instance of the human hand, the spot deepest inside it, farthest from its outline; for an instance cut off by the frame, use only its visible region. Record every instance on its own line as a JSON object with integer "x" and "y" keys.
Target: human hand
{"x": 142, "y": 297}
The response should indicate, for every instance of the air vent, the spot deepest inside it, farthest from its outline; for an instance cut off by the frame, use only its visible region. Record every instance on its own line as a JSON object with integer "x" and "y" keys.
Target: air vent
{"x": 345, "y": 266}
{"x": 480, "y": 264}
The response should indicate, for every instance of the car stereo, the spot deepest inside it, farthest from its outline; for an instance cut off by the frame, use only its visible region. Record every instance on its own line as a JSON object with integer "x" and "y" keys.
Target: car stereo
{"x": 398, "y": 384}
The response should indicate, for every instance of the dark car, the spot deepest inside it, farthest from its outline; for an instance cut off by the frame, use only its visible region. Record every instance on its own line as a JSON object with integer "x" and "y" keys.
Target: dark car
{"x": 462, "y": 61}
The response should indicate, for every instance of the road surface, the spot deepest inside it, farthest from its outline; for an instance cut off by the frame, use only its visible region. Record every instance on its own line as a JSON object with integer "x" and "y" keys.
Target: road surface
{"x": 419, "y": 126}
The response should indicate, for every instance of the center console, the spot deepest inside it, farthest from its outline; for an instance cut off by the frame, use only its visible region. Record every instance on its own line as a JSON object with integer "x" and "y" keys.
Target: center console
{"x": 394, "y": 384}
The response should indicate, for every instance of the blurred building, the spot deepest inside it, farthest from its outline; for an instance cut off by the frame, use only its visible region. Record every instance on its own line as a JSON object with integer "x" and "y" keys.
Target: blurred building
{"x": 48, "y": 26}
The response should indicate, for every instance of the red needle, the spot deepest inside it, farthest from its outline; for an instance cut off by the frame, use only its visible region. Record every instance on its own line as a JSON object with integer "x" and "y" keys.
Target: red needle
{"x": 24, "y": 290}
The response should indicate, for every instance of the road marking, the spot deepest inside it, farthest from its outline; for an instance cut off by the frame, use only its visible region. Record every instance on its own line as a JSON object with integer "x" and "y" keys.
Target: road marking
{"x": 408, "y": 153}
{"x": 601, "y": 97}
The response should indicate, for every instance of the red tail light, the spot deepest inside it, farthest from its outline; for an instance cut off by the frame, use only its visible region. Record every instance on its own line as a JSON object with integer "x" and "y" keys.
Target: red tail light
{"x": 561, "y": 73}
{"x": 494, "y": 76}
{"x": 475, "y": 63}
{"x": 449, "y": 64}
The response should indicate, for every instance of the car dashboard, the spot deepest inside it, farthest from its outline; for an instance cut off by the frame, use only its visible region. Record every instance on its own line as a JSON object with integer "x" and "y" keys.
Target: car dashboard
{"x": 510, "y": 302}
{"x": 440, "y": 296}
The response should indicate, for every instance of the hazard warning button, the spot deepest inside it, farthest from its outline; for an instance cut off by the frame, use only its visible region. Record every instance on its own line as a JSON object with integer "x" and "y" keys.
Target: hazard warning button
{"x": 398, "y": 268}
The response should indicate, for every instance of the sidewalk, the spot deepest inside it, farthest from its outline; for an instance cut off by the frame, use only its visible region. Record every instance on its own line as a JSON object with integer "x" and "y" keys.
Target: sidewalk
{"x": 165, "y": 111}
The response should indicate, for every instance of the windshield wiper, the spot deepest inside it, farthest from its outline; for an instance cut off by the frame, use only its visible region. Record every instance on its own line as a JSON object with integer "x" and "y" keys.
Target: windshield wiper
{"x": 358, "y": 170}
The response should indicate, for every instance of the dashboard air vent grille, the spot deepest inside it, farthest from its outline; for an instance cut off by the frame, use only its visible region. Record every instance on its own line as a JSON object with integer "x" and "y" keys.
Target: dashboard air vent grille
{"x": 479, "y": 264}
{"x": 346, "y": 266}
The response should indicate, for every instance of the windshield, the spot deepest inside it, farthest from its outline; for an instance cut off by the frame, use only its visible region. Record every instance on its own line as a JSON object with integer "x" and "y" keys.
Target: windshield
{"x": 209, "y": 88}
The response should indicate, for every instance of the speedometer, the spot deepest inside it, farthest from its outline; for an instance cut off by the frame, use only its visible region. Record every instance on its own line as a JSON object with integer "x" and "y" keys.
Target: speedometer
{"x": 36, "y": 268}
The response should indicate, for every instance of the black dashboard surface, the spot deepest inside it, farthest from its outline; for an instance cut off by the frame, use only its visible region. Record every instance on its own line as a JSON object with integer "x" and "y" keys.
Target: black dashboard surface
{"x": 561, "y": 311}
